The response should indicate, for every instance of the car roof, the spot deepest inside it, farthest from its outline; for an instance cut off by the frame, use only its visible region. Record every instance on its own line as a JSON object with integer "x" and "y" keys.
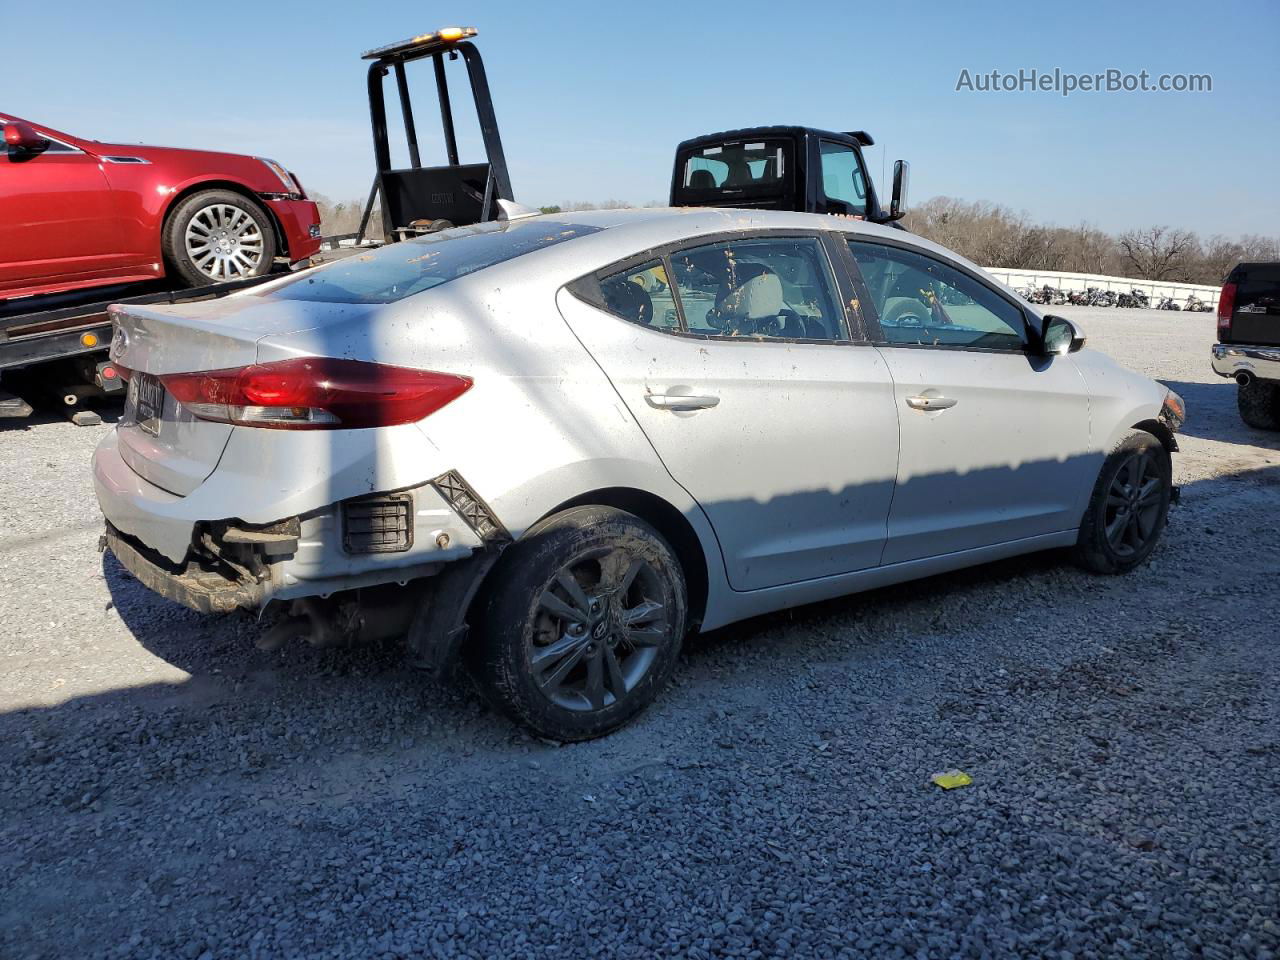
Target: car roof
{"x": 681, "y": 222}
{"x": 624, "y": 234}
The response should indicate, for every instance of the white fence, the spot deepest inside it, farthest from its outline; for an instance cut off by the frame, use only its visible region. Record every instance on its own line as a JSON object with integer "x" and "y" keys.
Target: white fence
{"x": 1155, "y": 289}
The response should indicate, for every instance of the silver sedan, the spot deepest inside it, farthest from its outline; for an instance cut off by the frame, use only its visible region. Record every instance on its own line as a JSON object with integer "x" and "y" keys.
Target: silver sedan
{"x": 550, "y": 448}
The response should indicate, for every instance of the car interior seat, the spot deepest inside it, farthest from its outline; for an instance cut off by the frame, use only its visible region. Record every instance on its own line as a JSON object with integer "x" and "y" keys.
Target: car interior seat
{"x": 750, "y": 301}
{"x": 702, "y": 180}
{"x": 628, "y": 300}
{"x": 739, "y": 174}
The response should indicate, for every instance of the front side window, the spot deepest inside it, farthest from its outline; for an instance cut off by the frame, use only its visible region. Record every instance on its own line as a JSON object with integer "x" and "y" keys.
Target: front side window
{"x": 925, "y": 302}
{"x": 842, "y": 179}
{"x": 400, "y": 270}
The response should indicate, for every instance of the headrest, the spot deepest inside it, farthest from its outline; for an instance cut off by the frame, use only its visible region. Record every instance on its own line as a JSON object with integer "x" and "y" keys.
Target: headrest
{"x": 757, "y": 294}
{"x": 739, "y": 173}
{"x": 629, "y": 300}
{"x": 702, "y": 180}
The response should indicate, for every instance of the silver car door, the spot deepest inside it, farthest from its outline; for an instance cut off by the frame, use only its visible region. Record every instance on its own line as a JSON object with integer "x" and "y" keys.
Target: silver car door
{"x": 995, "y": 440}
{"x": 750, "y": 390}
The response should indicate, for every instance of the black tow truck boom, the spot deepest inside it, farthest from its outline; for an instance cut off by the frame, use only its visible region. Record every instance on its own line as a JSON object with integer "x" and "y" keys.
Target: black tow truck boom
{"x": 418, "y": 199}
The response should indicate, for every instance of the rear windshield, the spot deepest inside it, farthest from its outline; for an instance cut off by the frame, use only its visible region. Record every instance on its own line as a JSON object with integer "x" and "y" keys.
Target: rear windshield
{"x": 400, "y": 270}
{"x": 759, "y": 165}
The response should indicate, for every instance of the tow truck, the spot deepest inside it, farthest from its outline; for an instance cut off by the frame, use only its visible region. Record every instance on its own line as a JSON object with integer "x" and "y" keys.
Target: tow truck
{"x": 57, "y": 343}
{"x": 776, "y": 168}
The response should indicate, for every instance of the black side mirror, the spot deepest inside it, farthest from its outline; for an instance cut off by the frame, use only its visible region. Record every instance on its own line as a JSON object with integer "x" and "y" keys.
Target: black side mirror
{"x": 901, "y": 181}
{"x": 1059, "y": 336}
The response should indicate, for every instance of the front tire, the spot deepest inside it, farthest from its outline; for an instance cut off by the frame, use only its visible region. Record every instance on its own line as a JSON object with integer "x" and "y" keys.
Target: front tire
{"x": 218, "y": 235}
{"x": 1259, "y": 403}
{"x": 1128, "y": 508}
{"x": 582, "y": 623}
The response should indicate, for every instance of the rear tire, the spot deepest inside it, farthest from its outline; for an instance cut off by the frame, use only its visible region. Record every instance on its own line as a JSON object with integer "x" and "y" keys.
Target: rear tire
{"x": 1259, "y": 403}
{"x": 218, "y": 235}
{"x": 581, "y": 623}
{"x": 1129, "y": 506}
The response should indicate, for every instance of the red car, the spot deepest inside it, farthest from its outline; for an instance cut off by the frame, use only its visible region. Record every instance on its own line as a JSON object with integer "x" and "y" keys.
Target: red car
{"x": 78, "y": 213}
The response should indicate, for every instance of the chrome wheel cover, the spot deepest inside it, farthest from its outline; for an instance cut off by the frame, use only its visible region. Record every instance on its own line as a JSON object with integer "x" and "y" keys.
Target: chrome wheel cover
{"x": 224, "y": 242}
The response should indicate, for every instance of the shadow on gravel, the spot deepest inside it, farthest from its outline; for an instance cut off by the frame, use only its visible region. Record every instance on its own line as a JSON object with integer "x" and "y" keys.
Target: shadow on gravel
{"x": 1212, "y": 415}
{"x": 254, "y": 710}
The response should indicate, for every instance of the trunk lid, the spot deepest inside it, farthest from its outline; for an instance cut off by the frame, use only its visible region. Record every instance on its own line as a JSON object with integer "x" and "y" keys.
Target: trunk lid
{"x": 160, "y": 440}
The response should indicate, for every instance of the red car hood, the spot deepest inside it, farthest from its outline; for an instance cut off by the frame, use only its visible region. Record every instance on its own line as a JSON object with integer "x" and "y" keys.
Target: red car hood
{"x": 161, "y": 154}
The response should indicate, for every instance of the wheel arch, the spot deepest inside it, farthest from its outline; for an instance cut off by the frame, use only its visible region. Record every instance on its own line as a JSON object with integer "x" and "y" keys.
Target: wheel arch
{"x": 1160, "y": 431}
{"x": 438, "y": 640}
{"x": 668, "y": 521}
{"x": 234, "y": 186}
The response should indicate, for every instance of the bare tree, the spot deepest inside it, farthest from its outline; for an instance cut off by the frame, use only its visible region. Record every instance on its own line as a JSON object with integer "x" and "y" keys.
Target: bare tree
{"x": 344, "y": 217}
{"x": 1160, "y": 253}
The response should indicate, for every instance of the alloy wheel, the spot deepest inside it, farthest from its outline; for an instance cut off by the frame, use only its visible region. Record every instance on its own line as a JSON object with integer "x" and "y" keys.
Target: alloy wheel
{"x": 599, "y": 627}
{"x": 1133, "y": 505}
{"x": 224, "y": 242}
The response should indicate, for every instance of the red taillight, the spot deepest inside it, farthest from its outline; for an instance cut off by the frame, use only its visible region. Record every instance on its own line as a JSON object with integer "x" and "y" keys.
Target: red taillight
{"x": 315, "y": 393}
{"x": 1226, "y": 307}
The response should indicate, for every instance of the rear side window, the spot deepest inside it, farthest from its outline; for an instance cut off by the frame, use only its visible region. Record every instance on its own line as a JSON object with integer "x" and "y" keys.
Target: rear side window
{"x": 642, "y": 295}
{"x": 400, "y": 270}
{"x": 754, "y": 288}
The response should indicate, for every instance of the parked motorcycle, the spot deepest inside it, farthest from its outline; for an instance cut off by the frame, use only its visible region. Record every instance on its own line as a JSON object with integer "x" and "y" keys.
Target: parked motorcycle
{"x": 1168, "y": 303}
{"x": 1134, "y": 299}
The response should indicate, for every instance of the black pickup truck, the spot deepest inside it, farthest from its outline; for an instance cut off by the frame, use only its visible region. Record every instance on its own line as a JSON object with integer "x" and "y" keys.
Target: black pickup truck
{"x": 1248, "y": 347}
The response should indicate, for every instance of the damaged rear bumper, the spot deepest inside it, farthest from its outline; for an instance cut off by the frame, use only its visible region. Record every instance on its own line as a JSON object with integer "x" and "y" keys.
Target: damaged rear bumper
{"x": 191, "y": 584}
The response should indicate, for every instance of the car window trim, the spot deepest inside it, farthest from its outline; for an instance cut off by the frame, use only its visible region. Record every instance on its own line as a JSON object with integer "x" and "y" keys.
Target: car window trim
{"x": 878, "y": 338}
{"x": 587, "y": 287}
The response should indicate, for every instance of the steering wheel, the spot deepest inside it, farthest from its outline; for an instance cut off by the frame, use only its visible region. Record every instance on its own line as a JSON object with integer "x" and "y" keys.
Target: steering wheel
{"x": 905, "y": 312}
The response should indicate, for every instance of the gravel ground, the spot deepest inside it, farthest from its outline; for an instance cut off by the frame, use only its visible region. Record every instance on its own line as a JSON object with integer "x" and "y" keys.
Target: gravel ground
{"x": 166, "y": 790}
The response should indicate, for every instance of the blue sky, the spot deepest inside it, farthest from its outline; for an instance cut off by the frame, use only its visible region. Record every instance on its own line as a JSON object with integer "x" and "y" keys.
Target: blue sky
{"x": 592, "y": 97}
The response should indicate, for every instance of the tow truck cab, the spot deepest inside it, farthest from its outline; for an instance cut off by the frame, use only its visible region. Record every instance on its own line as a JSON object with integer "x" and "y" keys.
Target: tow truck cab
{"x": 784, "y": 168}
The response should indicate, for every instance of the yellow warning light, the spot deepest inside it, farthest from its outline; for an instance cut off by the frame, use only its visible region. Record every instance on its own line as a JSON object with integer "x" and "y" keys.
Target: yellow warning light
{"x": 422, "y": 43}
{"x": 88, "y": 339}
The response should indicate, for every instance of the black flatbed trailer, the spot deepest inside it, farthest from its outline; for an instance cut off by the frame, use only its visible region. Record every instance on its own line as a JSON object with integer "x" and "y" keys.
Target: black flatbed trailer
{"x": 68, "y": 335}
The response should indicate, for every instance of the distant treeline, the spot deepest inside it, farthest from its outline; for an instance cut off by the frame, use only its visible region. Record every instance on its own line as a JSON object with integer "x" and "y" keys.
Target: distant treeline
{"x": 996, "y": 236}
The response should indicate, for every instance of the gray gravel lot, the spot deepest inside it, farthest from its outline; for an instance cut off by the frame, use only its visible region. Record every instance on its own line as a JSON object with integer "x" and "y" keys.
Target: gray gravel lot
{"x": 167, "y": 790}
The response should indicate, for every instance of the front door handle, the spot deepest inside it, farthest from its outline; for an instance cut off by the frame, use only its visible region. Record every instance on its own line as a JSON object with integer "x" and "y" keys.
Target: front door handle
{"x": 677, "y": 402}
{"x": 930, "y": 403}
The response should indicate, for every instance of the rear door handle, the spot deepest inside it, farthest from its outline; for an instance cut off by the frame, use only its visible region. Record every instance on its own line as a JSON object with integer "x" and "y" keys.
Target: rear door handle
{"x": 672, "y": 401}
{"x": 930, "y": 403}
